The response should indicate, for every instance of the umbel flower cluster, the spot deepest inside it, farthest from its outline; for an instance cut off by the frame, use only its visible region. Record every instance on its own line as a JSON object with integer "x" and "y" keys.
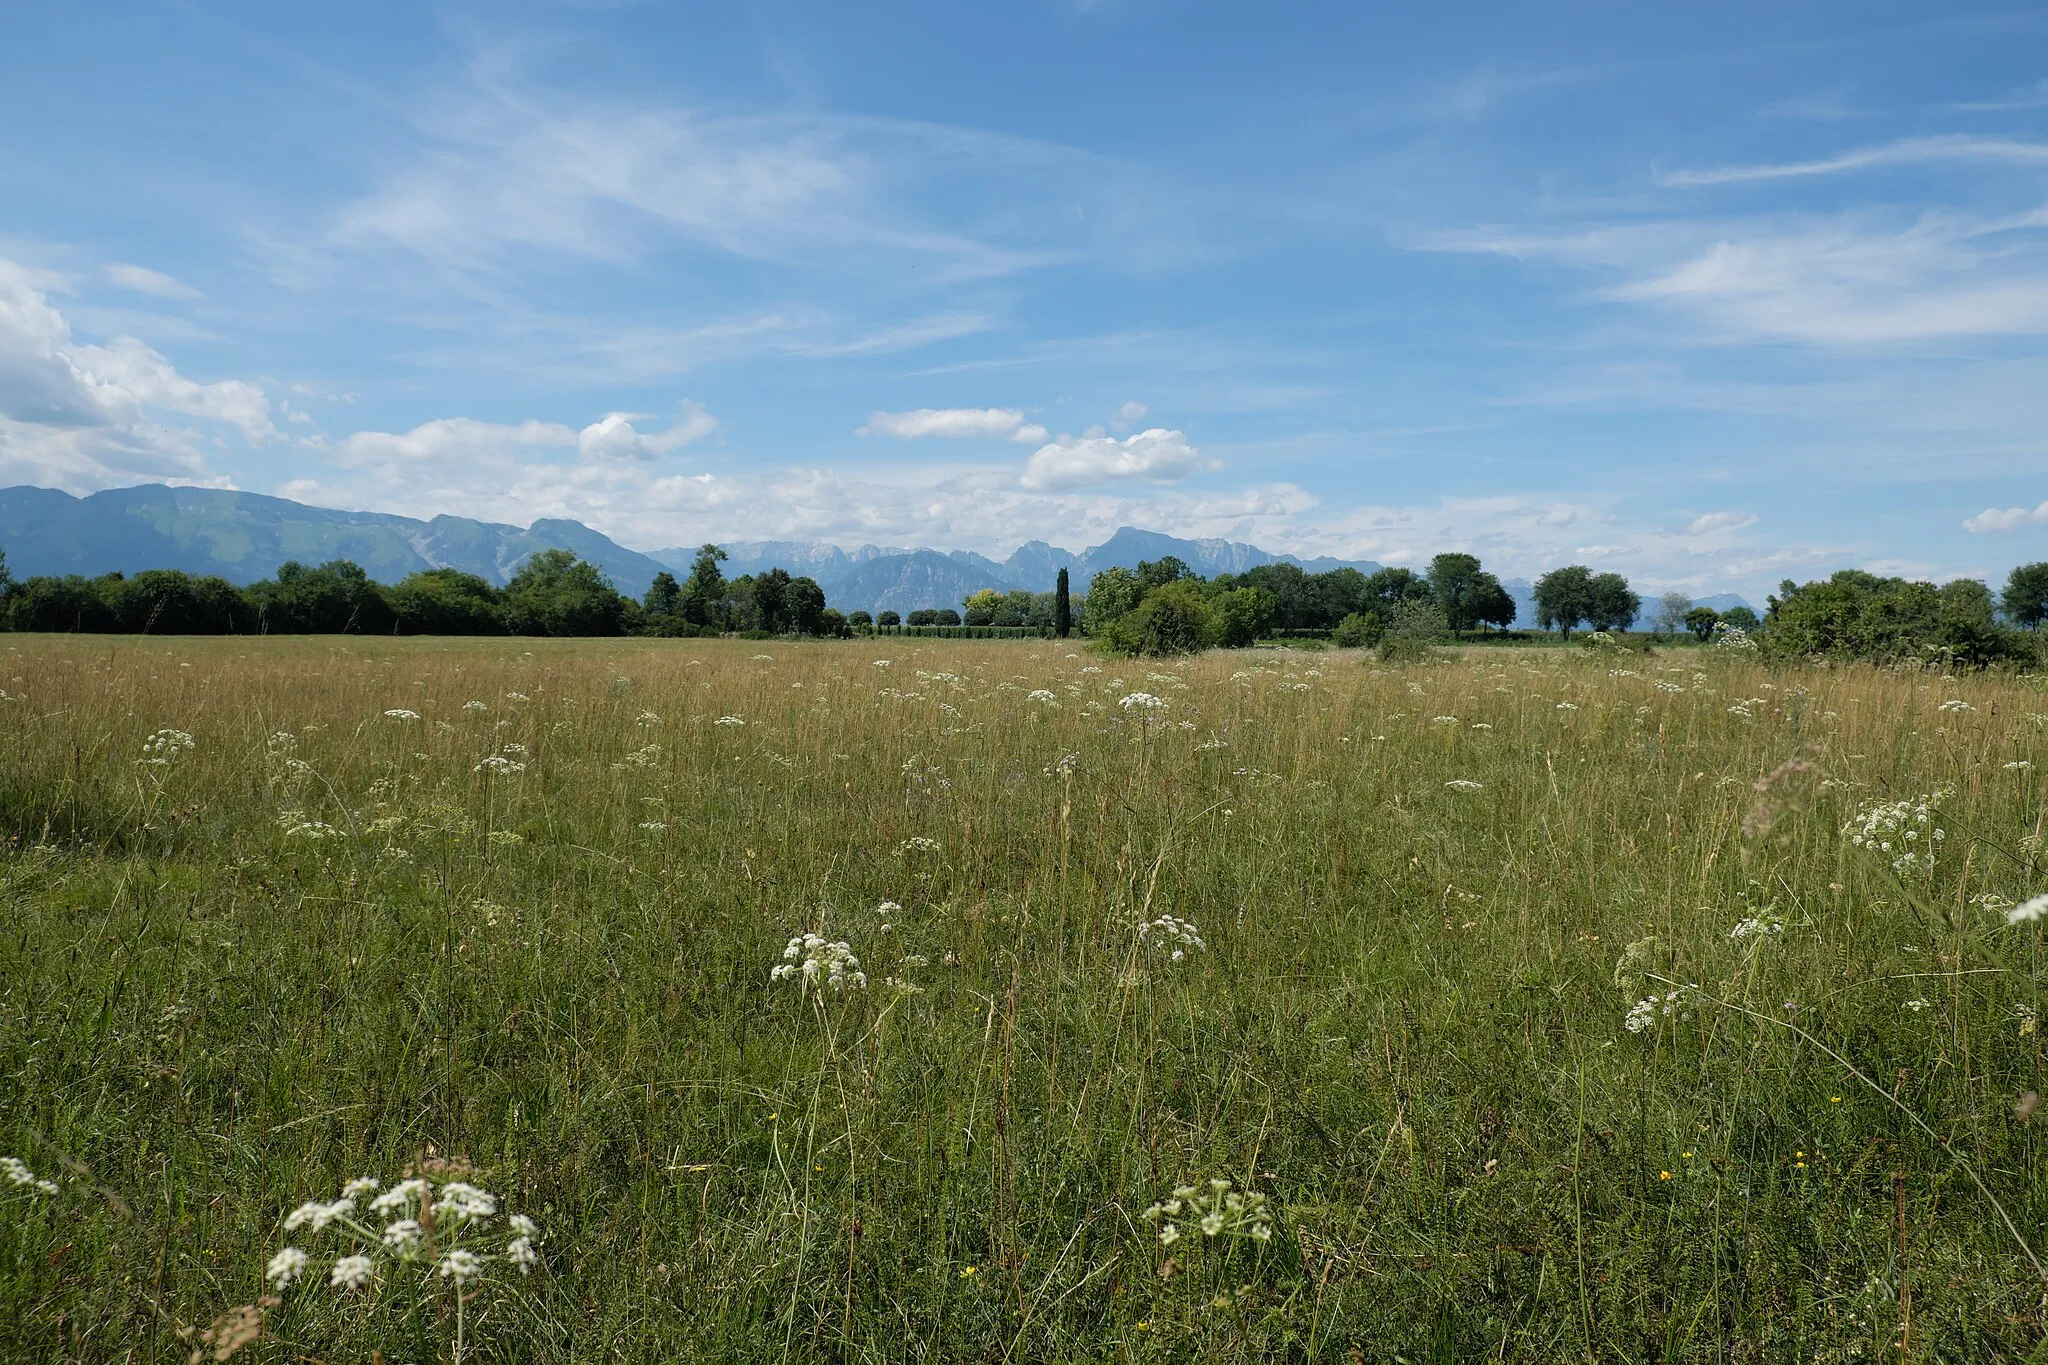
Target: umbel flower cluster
{"x": 15, "y": 1176}
{"x": 820, "y": 962}
{"x": 1903, "y": 832}
{"x": 1215, "y": 1210}
{"x": 449, "y": 1230}
{"x": 166, "y": 747}
{"x": 1176, "y": 937}
{"x": 1645, "y": 1013}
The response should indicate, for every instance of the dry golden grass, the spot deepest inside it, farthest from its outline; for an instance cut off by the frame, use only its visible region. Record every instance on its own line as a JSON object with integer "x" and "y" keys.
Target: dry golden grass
{"x": 325, "y": 940}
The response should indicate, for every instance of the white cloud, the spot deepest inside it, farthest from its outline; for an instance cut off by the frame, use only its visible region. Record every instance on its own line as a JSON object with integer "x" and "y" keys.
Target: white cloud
{"x": 1128, "y": 416}
{"x": 1720, "y": 521}
{"x": 80, "y": 416}
{"x": 1999, "y": 520}
{"x": 1007, "y": 424}
{"x": 1848, "y": 280}
{"x": 1077, "y": 461}
{"x": 615, "y": 438}
{"x": 2034, "y": 96}
{"x": 459, "y": 448}
{"x": 504, "y": 166}
{"x": 143, "y": 280}
{"x": 1905, "y": 152}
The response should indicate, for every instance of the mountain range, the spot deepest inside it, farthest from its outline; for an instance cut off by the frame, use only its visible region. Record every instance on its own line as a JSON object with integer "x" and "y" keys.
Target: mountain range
{"x": 245, "y": 536}
{"x": 875, "y": 578}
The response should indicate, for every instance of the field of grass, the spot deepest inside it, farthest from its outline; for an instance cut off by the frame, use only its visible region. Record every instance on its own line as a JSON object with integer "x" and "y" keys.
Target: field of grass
{"x": 514, "y": 908}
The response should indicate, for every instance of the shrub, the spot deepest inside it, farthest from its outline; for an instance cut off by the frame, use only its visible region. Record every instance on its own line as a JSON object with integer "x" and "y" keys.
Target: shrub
{"x": 1173, "y": 619}
{"x": 1359, "y": 630}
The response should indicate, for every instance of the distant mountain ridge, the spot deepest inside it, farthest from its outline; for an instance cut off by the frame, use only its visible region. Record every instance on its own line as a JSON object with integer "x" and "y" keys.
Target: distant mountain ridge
{"x": 245, "y": 536}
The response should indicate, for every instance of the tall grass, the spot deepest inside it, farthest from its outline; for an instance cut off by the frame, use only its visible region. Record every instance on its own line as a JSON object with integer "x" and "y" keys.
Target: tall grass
{"x": 1406, "y": 1029}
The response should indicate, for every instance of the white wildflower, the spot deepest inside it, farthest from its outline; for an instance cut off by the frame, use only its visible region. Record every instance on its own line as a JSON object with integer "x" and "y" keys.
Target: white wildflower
{"x": 461, "y": 1201}
{"x": 360, "y": 1186}
{"x": 399, "y": 1196}
{"x": 459, "y": 1265}
{"x": 918, "y": 843}
{"x": 285, "y": 1267}
{"x": 402, "y": 1238}
{"x": 1176, "y": 937}
{"x": 1443, "y": 720}
{"x": 1756, "y": 926}
{"x": 816, "y": 961}
{"x": 1465, "y": 784}
{"x": 497, "y": 765}
{"x": 1041, "y": 694}
{"x": 728, "y": 720}
{"x": 400, "y": 714}
{"x": 1142, "y": 701}
{"x": 315, "y": 1215}
{"x": 1902, "y": 832}
{"x": 1955, "y": 704}
{"x": 165, "y": 747}
{"x": 16, "y": 1172}
{"x": 1218, "y": 1211}
{"x": 351, "y": 1272}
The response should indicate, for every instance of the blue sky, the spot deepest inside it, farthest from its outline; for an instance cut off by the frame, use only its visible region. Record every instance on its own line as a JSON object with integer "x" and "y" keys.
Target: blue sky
{"x": 1714, "y": 298}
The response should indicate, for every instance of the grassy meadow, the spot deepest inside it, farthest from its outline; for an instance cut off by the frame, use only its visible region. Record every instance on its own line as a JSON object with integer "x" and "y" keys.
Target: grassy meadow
{"x": 1534, "y": 1003}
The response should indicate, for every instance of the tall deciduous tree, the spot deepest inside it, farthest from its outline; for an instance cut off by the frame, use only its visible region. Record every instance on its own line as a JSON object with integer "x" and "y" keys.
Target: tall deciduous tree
{"x": 1493, "y": 605}
{"x": 1113, "y": 592}
{"x": 2025, "y": 599}
{"x": 664, "y": 596}
{"x": 1564, "y": 599}
{"x": 1611, "y": 603}
{"x": 705, "y": 588}
{"x": 1454, "y": 583}
{"x": 1671, "y": 611}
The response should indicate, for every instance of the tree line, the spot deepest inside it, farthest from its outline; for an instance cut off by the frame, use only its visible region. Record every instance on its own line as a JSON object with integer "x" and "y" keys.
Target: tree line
{"x": 1858, "y": 615}
{"x": 553, "y": 593}
{"x": 1164, "y": 607}
{"x": 1160, "y": 607}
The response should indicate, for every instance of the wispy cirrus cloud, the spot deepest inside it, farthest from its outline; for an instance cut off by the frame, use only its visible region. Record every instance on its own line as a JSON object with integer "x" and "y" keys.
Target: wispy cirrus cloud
{"x": 143, "y": 280}
{"x": 2034, "y": 96}
{"x": 1845, "y": 279}
{"x": 1009, "y": 424}
{"x": 1910, "y": 151}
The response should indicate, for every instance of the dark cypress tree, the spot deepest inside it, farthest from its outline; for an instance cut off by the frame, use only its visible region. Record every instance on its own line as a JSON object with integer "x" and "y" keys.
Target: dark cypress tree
{"x": 1062, "y": 607}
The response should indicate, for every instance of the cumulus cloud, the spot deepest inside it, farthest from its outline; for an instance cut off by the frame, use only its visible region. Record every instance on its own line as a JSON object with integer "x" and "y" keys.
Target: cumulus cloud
{"x": 615, "y": 438}
{"x": 1008, "y": 424}
{"x": 1720, "y": 521}
{"x": 459, "y": 447}
{"x": 1999, "y": 520}
{"x": 77, "y": 415}
{"x": 143, "y": 280}
{"x": 1156, "y": 453}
